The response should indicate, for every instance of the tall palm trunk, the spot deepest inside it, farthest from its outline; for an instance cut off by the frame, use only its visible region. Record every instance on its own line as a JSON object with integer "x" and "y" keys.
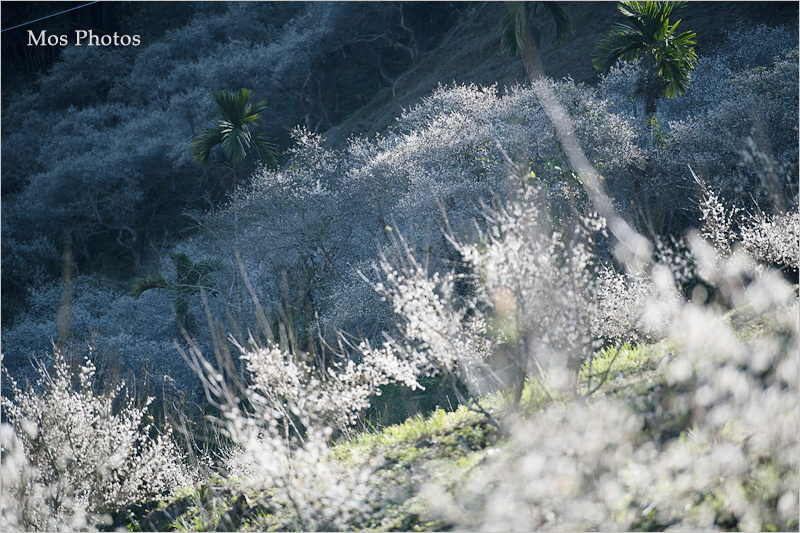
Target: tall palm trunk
{"x": 650, "y": 89}
{"x": 531, "y": 60}
{"x": 650, "y": 96}
{"x": 517, "y": 35}
{"x": 236, "y": 241}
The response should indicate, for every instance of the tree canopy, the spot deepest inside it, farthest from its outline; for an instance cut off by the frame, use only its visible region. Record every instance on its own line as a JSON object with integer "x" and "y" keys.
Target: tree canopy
{"x": 236, "y": 115}
{"x": 647, "y": 33}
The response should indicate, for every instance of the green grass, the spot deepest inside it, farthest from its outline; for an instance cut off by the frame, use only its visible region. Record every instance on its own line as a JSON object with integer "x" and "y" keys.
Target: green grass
{"x": 613, "y": 366}
{"x": 441, "y": 448}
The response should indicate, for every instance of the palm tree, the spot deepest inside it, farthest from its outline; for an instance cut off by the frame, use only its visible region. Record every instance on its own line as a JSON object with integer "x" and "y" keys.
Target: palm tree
{"x": 236, "y": 114}
{"x": 669, "y": 57}
{"x": 516, "y": 37}
{"x": 192, "y": 279}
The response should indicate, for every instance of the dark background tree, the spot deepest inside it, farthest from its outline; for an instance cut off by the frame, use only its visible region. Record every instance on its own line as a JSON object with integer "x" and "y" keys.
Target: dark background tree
{"x": 519, "y": 37}
{"x": 96, "y": 139}
{"x": 22, "y": 63}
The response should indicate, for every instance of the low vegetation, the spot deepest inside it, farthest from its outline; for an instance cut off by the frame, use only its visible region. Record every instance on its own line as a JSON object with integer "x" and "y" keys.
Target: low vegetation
{"x": 552, "y": 306}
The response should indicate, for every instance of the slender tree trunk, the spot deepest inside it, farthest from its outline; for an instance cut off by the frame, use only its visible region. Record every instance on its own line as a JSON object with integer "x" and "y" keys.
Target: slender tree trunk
{"x": 650, "y": 87}
{"x": 650, "y": 95}
{"x": 650, "y": 98}
{"x": 236, "y": 243}
{"x": 530, "y": 55}
{"x": 533, "y": 62}
{"x": 68, "y": 277}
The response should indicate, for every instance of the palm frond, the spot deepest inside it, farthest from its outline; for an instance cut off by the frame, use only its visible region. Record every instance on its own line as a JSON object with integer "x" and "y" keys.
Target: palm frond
{"x": 190, "y": 273}
{"x": 236, "y": 113}
{"x": 634, "y": 14}
{"x": 140, "y": 285}
{"x": 623, "y": 42}
{"x": 232, "y": 107}
{"x": 265, "y": 149}
{"x": 516, "y": 24}
{"x": 676, "y": 63}
{"x": 667, "y": 8}
{"x": 512, "y": 28}
{"x": 235, "y": 142}
{"x": 650, "y": 18}
{"x": 254, "y": 112}
{"x": 562, "y": 19}
{"x": 202, "y": 146}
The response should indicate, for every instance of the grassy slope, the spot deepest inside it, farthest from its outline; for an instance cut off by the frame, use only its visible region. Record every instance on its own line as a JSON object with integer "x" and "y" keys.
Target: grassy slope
{"x": 446, "y": 446}
{"x": 439, "y": 453}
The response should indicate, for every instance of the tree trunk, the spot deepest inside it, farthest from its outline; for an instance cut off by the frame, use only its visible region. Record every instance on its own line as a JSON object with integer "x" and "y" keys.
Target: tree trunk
{"x": 530, "y": 55}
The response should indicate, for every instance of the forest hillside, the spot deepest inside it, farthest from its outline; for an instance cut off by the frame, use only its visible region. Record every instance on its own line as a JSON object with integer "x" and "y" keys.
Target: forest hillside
{"x": 470, "y": 52}
{"x": 400, "y": 266}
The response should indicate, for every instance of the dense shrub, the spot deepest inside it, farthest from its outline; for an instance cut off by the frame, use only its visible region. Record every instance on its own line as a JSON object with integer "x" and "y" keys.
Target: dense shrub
{"x": 134, "y": 337}
{"x": 771, "y": 239}
{"x": 734, "y": 465}
{"x": 533, "y": 306}
{"x": 774, "y": 240}
{"x": 735, "y": 127}
{"x": 279, "y": 419}
{"x": 74, "y": 452}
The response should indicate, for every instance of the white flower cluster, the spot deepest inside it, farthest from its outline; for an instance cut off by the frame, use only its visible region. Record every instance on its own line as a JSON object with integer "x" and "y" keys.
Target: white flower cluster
{"x": 284, "y": 386}
{"x": 319, "y": 491}
{"x": 72, "y": 455}
{"x": 437, "y": 336}
{"x": 718, "y": 222}
{"x": 741, "y": 399}
{"x": 537, "y": 277}
{"x": 774, "y": 239}
{"x": 281, "y": 435}
{"x": 621, "y": 299}
{"x": 535, "y": 299}
{"x": 770, "y": 239}
{"x": 609, "y": 465}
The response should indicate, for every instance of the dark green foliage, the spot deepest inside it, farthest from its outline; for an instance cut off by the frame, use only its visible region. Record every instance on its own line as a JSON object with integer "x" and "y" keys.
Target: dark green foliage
{"x": 236, "y": 114}
{"x": 397, "y": 402}
{"x": 517, "y": 19}
{"x": 648, "y": 34}
{"x": 192, "y": 278}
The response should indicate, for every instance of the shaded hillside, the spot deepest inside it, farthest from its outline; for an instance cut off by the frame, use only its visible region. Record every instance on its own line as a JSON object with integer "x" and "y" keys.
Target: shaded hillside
{"x": 470, "y": 52}
{"x": 121, "y": 182}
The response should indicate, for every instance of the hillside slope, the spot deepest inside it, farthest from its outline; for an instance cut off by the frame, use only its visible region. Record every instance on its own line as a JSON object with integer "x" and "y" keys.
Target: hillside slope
{"x": 470, "y": 53}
